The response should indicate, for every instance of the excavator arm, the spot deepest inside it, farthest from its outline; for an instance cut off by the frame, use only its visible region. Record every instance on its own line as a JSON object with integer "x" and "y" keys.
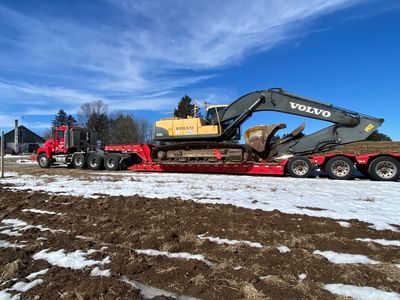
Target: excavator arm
{"x": 348, "y": 126}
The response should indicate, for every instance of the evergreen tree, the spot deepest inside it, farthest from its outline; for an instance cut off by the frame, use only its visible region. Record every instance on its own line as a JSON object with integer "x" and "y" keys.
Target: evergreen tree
{"x": 101, "y": 124}
{"x": 377, "y": 136}
{"x": 71, "y": 121}
{"x": 60, "y": 118}
{"x": 185, "y": 108}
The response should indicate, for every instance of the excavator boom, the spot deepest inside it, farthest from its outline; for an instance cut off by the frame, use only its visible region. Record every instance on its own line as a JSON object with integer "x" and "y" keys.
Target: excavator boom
{"x": 349, "y": 126}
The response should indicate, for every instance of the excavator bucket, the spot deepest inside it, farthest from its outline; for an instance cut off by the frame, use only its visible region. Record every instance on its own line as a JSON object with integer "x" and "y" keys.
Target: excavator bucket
{"x": 258, "y": 137}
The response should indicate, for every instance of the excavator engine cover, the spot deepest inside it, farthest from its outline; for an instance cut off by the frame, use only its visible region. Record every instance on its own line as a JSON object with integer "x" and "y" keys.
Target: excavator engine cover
{"x": 257, "y": 137}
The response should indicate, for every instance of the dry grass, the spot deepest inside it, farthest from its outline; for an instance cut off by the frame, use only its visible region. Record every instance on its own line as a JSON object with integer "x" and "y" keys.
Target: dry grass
{"x": 199, "y": 280}
{"x": 250, "y": 292}
{"x": 11, "y": 269}
{"x": 167, "y": 270}
{"x": 188, "y": 237}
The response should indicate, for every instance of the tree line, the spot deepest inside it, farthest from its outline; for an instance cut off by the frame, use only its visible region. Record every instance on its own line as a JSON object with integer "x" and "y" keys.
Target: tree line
{"x": 111, "y": 127}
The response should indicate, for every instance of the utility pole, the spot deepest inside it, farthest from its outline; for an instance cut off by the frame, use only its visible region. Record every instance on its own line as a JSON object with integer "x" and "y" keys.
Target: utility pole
{"x": 2, "y": 154}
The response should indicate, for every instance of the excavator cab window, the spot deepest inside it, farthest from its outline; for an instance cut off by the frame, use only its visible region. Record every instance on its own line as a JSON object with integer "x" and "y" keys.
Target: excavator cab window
{"x": 212, "y": 112}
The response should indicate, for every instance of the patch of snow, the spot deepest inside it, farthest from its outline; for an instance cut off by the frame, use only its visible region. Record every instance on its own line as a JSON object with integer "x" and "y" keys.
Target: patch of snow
{"x": 341, "y": 200}
{"x": 7, "y": 296}
{"x": 361, "y": 292}
{"x": 229, "y": 242}
{"x": 283, "y": 249}
{"x": 267, "y": 277}
{"x": 85, "y": 238}
{"x": 238, "y": 268}
{"x": 74, "y": 260}
{"x": 183, "y": 255}
{"x": 344, "y": 224}
{"x": 38, "y": 211}
{"x": 25, "y": 286}
{"x": 19, "y": 225}
{"x": 15, "y": 156}
{"x": 397, "y": 265}
{"x": 26, "y": 162}
{"x": 97, "y": 272}
{"x": 302, "y": 276}
{"x": 345, "y": 258}
{"x": 6, "y": 244}
{"x": 36, "y": 274}
{"x": 14, "y": 222}
{"x": 10, "y": 232}
{"x": 381, "y": 241}
{"x": 150, "y": 292}
{"x": 41, "y": 239}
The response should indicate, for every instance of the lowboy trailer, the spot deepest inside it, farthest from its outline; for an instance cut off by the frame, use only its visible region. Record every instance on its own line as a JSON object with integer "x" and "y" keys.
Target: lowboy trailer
{"x": 376, "y": 166}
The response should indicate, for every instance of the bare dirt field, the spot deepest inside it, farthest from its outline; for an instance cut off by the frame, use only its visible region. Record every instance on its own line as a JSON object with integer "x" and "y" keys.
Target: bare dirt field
{"x": 274, "y": 259}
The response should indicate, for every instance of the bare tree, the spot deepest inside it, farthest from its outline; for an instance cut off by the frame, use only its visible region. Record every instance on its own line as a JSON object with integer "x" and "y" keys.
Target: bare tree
{"x": 94, "y": 115}
{"x": 89, "y": 109}
{"x": 144, "y": 131}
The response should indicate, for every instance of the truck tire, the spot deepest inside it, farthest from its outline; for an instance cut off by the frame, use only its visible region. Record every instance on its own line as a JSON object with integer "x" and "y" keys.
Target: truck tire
{"x": 384, "y": 168}
{"x": 299, "y": 167}
{"x": 340, "y": 167}
{"x": 78, "y": 160}
{"x": 44, "y": 161}
{"x": 111, "y": 161}
{"x": 95, "y": 161}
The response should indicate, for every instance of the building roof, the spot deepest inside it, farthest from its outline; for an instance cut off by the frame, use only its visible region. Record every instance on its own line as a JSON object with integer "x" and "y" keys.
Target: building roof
{"x": 26, "y": 136}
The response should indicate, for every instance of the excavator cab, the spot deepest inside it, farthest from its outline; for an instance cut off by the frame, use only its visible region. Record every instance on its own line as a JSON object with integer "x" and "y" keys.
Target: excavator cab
{"x": 214, "y": 113}
{"x": 178, "y": 129}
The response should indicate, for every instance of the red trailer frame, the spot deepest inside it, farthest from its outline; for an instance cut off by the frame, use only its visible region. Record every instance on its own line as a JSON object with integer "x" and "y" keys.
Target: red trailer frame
{"x": 143, "y": 151}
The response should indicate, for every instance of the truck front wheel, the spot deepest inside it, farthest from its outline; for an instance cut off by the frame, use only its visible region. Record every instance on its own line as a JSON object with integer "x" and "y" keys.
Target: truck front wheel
{"x": 44, "y": 161}
{"x": 78, "y": 160}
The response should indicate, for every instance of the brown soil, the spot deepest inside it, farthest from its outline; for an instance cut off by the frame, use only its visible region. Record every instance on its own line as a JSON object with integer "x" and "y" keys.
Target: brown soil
{"x": 368, "y": 147}
{"x": 237, "y": 272}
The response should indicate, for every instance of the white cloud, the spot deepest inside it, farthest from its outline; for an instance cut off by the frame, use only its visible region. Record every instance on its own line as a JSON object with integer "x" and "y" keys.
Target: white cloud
{"x": 144, "y": 48}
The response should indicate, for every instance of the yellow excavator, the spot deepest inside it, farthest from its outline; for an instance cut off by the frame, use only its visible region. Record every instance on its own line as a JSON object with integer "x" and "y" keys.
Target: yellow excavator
{"x": 214, "y": 139}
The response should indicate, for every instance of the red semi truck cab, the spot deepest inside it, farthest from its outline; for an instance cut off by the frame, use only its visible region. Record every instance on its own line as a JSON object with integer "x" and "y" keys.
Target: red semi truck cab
{"x": 68, "y": 145}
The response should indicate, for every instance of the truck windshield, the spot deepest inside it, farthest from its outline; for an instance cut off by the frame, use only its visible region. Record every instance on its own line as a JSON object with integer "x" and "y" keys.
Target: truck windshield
{"x": 60, "y": 134}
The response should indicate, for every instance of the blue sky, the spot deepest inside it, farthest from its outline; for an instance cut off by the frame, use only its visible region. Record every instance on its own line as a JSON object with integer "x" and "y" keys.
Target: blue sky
{"x": 143, "y": 56}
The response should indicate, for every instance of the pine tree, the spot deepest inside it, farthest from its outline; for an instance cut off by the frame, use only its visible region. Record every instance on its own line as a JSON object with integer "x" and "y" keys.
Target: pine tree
{"x": 71, "y": 121}
{"x": 60, "y": 119}
{"x": 63, "y": 119}
{"x": 185, "y": 108}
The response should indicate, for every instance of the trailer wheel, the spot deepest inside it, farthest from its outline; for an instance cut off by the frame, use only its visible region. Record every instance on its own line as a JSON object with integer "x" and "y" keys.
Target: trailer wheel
{"x": 78, "y": 160}
{"x": 111, "y": 162}
{"x": 384, "y": 168}
{"x": 340, "y": 167}
{"x": 44, "y": 161}
{"x": 95, "y": 161}
{"x": 299, "y": 167}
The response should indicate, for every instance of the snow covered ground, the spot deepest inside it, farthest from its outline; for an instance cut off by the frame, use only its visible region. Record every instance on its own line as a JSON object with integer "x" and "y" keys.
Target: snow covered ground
{"x": 373, "y": 202}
